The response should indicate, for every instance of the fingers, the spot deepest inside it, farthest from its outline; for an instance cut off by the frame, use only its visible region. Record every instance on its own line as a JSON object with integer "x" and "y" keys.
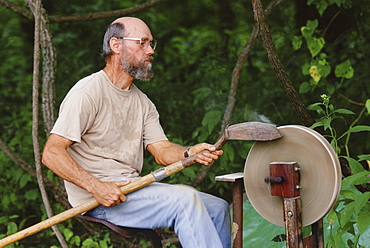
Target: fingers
{"x": 121, "y": 184}
{"x": 208, "y": 157}
{"x": 108, "y": 194}
{"x": 201, "y": 147}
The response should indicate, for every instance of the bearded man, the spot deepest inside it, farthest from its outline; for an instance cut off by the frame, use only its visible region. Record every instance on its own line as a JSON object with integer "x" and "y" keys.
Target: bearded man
{"x": 98, "y": 141}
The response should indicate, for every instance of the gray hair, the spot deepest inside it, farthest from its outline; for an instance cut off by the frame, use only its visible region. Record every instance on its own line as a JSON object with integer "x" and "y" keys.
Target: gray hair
{"x": 114, "y": 30}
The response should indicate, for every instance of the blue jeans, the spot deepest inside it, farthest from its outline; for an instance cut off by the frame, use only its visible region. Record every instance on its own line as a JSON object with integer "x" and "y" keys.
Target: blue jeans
{"x": 200, "y": 220}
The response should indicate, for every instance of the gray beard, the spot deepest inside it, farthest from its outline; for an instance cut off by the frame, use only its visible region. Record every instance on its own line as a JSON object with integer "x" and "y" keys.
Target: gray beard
{"x": 140, "y": 71}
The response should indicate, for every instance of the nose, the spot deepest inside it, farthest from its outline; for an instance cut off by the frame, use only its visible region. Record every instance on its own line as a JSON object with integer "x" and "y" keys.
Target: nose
{"x": 149, "y": 50}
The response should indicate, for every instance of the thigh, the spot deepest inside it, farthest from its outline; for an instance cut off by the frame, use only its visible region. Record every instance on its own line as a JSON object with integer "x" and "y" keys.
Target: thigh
{"x": 154, "y": 206}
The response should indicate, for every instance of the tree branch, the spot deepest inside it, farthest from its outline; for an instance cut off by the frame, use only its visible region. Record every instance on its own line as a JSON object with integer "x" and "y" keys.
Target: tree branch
{"x": 17, "y": 8}
{"x": 105, "y": 14}
{"x": 89, "y": 16}
{"x": 274, "y": 59}
{"x": 234, "y": 85}
{"x": 36, "y": 9}
{"x": 19, "y": 161}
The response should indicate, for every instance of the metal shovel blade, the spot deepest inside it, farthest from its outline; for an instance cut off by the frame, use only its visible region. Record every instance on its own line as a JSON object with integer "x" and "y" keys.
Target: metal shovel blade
{"x": 257, "y": 131}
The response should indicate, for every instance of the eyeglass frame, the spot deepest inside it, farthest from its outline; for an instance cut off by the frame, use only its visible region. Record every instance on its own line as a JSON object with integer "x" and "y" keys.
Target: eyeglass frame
{"x": 143, "y": 41}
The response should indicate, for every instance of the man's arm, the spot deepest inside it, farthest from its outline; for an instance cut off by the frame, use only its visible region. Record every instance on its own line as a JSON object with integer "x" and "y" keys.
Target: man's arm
{"x": 166, "y": 152}
{"x": 57, "y": 159}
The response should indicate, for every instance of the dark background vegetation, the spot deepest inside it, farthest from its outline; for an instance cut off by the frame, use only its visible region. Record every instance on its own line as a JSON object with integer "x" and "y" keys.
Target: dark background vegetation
{"x": 199, "y": 43}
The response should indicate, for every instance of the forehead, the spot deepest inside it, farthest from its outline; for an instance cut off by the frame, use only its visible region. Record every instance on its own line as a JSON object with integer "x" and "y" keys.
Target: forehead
{"x": 137, "y": 28}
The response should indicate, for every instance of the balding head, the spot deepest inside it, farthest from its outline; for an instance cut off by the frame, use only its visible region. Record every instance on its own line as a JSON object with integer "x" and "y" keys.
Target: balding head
{"x": 131, "y": 22}
{"x": 123, "y": 27}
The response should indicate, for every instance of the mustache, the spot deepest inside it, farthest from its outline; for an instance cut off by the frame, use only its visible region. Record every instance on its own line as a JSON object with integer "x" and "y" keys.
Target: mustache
{"x": 150, "y": 58}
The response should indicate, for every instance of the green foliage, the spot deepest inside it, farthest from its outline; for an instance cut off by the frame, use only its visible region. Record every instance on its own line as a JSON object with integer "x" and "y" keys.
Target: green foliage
{"x": 199, "y": 43}
{"x": 350, "y": 216}
{"x": 329, "y": 114}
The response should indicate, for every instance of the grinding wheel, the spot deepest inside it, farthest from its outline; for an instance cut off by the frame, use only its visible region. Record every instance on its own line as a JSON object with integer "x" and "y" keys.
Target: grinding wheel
{"x": 320, "y": 174}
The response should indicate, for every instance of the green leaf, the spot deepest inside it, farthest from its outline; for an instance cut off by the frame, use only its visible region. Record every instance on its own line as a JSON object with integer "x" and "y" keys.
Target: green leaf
{"x": 307, "y": 32}
{"x": 76, "y": 240}
{"x": 315, "y": 125}
{"x": 312, "y": 24}
{"x": 356, "y": 129}
{"x": 361, "y": 201}
{"x": 306, "y": 69}
{"x": 68, "y": 234}
{"x": 348, "y": 194}
{"x": 89, "y": 243}
{"x": 324, "y": 69}
{"x": 201, "y": 93}
{"x": 314, "y": 73}
{"x": 355, "y": 166}
{"x": 211, "y": 119}
{"x": 356, "y": 179}
{"x": 363, "y": 157}
{"x": 296, "y": 42}
{"x": 327, "y": 122}
{"x": 103, "y": 244}
{"x": 315, "y": 45}
{"x": 24, "y": 180}
{"x": 363, "y": 241}
{"x": 347, "y": 213}
{"x": 304, "y": 88}
{"x": 189, "y": 172}
{"x": 344, "y": 70}
{"x": 12, "y": 228}
{"x": 344, "y": 111}
{"x": 332, "y": 216}
{"x": 32, "y": 194}
{"x": 314, "y": 106}
{"x": 367, "y": 104}
{"x": 321, "y": 6}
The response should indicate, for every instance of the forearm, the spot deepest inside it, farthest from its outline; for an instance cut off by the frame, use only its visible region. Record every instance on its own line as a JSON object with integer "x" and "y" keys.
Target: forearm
{"x": 167, "y": 152}
{"x": 58, "y": 160}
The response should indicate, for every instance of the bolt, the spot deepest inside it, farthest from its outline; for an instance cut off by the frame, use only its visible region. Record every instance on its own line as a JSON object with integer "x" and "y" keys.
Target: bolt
{"x": 290, "y": 214}
{"x": 297, "y": 169}
{"x": 298, "y": 187}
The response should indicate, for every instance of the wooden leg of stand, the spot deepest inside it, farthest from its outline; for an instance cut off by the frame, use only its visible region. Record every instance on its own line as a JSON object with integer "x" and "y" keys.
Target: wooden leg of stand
{"x": 318, "y": 233}
{"x": 293, "y": 222}
{"x": 238, "y": 212}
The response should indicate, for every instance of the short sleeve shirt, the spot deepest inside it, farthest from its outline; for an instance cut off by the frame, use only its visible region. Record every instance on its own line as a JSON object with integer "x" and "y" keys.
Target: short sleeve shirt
{"x": 109, "y": 128}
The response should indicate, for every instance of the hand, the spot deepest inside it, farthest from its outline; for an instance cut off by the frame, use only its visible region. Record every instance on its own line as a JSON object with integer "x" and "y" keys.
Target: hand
{"x": 108, "y": 193}
{"x": 207, "y": 157}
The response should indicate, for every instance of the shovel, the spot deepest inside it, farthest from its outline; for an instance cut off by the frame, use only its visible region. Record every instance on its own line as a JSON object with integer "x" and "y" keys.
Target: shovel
{"x": 256, "y": 131}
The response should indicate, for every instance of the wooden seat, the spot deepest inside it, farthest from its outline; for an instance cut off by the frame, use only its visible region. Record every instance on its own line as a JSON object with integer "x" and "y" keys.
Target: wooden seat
{"x": 127, "y": 232}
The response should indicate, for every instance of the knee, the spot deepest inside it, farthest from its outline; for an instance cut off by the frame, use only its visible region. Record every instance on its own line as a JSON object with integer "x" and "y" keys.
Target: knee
{"x": 187, "y": 194}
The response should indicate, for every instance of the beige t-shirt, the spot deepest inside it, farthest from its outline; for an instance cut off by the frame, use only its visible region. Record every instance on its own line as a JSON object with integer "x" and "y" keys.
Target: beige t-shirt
{"x": 109, "y": 127}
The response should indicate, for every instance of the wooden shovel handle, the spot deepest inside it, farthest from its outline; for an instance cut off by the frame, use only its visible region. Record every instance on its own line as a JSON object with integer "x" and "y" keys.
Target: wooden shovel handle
{"x": 133, "y": 186}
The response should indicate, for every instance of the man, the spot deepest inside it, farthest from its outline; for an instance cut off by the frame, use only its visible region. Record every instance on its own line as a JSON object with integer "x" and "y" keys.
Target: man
{"x": 97, "y": 145}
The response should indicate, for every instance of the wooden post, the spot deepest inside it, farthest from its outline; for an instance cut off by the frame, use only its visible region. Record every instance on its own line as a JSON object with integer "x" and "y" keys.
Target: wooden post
{"x": 293, "y": 222}
{"x": 284, "y": 181}
{"x": 318, "y": 233}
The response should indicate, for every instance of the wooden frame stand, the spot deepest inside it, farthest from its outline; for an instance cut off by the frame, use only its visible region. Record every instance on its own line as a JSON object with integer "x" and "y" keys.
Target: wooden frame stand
{"x": 284, "y": 182}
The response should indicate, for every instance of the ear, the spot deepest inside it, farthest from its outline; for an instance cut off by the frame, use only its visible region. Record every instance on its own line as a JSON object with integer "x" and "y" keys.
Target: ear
{"x": 115, "y": 45}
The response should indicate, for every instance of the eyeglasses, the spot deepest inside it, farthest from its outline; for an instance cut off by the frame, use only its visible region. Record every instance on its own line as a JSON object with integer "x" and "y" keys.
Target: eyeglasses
{"x": 143, "y": 41}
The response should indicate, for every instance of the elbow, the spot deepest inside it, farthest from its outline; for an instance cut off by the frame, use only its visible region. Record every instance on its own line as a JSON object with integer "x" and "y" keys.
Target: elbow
{"x": 46, "y": 157}
{"x": 50, "y": 155}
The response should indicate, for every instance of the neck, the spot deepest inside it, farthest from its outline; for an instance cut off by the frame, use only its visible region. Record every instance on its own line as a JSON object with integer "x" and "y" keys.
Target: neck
{"x": 117, "y": 76}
